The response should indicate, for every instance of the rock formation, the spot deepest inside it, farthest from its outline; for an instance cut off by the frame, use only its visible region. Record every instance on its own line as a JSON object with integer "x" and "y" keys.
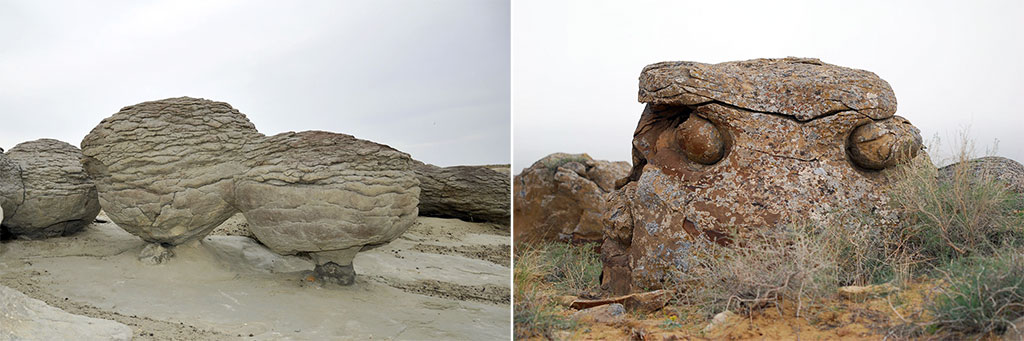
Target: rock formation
{"x": 165, "y": 169}
{"x": 724, "y": 149}
{"x": 563, "y": 197}
{"x": 471, "y": 193}
{"x": 45, "y": 190}
{"x": 1001, "y": 169}
{"x": 328, "y": 194}
{"x": 170, "y": 171}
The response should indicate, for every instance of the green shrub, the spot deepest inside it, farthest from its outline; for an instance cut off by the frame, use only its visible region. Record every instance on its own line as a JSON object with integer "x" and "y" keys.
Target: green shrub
{"x": 545, "y": 270}
{"x": 981, "y": 295}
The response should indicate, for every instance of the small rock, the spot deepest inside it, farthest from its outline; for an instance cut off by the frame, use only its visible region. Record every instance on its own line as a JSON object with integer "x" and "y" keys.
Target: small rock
{"x": 645, "y": 302}
{"x": 854, "y": 292}
{"x": 1015, "y": 332}
{"x": 154, "y": 254}
{"x": 606, "y": 314}
{"x": 721, "y": 319}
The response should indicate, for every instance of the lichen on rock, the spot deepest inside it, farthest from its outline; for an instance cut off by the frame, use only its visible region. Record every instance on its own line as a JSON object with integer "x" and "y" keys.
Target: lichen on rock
{"x": 723, "y": 150}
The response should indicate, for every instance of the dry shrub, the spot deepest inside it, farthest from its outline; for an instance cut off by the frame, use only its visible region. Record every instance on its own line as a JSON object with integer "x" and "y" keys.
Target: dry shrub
{"x": 771, "y": 268}
{"x": 966, "y": 213}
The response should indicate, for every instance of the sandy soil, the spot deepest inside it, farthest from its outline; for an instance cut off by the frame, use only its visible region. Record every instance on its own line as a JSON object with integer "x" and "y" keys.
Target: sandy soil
{"x": 870, "y": 318}
{"x": 443, "y": 279}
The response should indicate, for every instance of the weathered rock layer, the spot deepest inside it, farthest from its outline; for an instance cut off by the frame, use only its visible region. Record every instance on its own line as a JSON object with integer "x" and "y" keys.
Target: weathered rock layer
{"x": 165, "y": 169}
{"x": 471, "y": 193}
{"x": 45, "y": 189}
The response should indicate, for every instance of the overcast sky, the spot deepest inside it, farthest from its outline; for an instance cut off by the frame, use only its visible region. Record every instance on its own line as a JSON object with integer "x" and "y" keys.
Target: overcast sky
{"x": 952, "y": 64}
{"x": 430, "y": 78}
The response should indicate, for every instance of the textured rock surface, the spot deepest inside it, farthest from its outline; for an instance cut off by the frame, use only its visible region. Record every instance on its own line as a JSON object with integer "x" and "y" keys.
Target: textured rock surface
{"x": 768, "y": 141}
{"x": 58, "y": 197}
{"x": 326, "y": 193}
{"x": 12, "y": 190}
{"x": 1000, "y": 168}
{"x": 471, "y": 193}
{"x": 165, "y": 169}
{"x": 563, "y": 196}
{"x": 26, "y": 318}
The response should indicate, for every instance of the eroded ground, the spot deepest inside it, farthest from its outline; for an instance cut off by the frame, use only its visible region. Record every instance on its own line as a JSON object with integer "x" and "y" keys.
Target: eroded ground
{"x": 443, "y": 279}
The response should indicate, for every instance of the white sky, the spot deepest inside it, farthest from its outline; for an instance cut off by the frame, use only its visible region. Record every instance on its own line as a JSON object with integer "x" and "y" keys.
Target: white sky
{"x": 952, "y": 64}
{"x": 430, "y": 78}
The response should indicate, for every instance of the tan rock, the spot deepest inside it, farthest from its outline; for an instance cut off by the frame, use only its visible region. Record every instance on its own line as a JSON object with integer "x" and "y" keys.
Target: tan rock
{"x": 327, "y": 194}
{"x": 605, "y": 314}
{"x": 165, "y": 169}
{"x": 562, "y": 197}
{"x": 58, "y": 198}
{"x": 857, "y": 292}
{"x": 722, "y": 150}
{"x": 646, "y": 302}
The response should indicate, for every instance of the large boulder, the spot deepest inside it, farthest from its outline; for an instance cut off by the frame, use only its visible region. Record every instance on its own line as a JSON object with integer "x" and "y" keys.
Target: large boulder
{"x": 1007, "y": 171}
{"x": 562, "y": 197}
{"x": 165, "y": 170}
{"x": 327, "y": 194}
{"x": 470, "y": 193}
{"x": 722, "y": 150}
{"x": 57, "y": 197}
{"x": 12, "y": 189}
{"x": 26, "y": 318}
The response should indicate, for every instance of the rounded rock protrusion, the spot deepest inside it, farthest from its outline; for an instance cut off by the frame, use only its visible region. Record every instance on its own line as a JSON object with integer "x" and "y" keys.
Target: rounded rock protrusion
{"x": 57, "y": 197}
{"x": 165, "y": 169}
{"x": 881, "y": 144}
{"x": 700, "y": 140}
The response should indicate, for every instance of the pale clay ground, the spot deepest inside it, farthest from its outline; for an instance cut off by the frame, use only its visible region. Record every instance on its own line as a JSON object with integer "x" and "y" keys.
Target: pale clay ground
{"x": 443, "y": 279}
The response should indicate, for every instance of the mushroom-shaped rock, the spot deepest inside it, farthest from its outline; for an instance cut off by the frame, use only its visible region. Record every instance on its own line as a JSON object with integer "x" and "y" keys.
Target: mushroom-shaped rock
{"x": 326, "y": 194}
{"x": 165, "y": 169}
{"x": 58, "y": 198}
{"x": 723, "y": 150}
{"x": 471, "y": 193}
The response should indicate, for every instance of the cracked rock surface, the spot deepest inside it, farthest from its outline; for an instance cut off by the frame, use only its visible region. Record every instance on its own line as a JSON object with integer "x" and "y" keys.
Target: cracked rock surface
{"x": 45, "y": 191}
{"x": 470, "y": 193}
{"x": 562, "y": 197}
{"x": 722, "y": 150}
{"x": 165, "y": 169}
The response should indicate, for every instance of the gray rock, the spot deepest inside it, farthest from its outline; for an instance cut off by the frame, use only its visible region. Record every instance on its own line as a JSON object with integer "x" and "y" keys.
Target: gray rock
{"x": 471, "y": 193}
{"x": 58, "y": 197}
{"x": 999, "y": 168}
{"x": 26, "y": 318}
{"x": 12, "y": 190}
{"x": 165, "y": 169}
{"x": 154, "y": 254}
{"x": 328, "y": 194}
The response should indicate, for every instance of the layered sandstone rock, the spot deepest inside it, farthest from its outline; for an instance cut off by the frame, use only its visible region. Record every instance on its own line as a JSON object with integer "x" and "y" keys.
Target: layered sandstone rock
{"x": 57, "y": 197}
{"x": 165, "y": 169}
{"x": 722, "y": 150}
{"x": 12, "y": 189}
{"x": 328, "y": 194}
{"x": 471, "y": 193}
{"x": 1007, "y": 171}
{"x": 563, "y": 197}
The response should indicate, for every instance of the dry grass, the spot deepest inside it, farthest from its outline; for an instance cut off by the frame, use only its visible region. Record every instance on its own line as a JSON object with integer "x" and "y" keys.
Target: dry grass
{"x": 544, "y": 271}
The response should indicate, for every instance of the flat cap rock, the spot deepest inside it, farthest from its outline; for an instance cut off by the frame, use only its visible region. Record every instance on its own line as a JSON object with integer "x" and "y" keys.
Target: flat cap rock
{"x": 58, "y": 197}
{"x": 165, "y": 169}
{"x": 804, "y": 88}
